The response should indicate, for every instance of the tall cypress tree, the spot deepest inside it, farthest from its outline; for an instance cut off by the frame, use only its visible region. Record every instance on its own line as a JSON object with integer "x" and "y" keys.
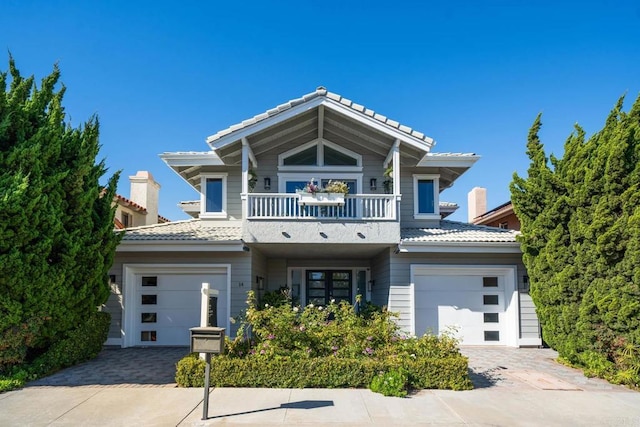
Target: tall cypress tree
{"x": 580, "y": 218}
{"x": 56, "y": 221}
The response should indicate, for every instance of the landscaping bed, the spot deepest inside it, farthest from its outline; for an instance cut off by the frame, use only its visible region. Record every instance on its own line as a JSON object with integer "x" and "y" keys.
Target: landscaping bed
{"x": 329, "y": 347}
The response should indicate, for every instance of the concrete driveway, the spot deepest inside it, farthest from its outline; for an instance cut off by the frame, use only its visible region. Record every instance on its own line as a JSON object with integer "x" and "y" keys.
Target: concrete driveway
{"x": 136, "y": 387}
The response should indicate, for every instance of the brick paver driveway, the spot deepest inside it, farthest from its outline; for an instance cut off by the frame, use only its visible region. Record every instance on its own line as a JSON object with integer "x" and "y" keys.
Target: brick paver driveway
{"x": 504, "y": 367}
{"x": 122, "y": 367}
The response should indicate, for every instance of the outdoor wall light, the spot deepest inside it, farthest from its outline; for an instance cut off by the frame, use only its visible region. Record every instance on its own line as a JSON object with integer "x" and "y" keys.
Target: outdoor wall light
{"x": 373, "y": 183}
{"x": 370, "y": 284}
{"x": 267, "y": 183}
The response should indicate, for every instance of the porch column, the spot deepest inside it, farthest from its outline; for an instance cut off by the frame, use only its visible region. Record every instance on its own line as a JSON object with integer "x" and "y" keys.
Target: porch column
{"x": 396, "y": 167}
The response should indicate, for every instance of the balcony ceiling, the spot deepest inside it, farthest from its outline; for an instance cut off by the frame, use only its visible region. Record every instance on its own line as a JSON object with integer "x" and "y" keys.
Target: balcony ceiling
{"x": 320, "y": 122}
{"x": 319, "y": 252}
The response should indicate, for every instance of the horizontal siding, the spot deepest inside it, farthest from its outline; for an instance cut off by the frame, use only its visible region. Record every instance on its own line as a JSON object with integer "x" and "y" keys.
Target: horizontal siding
{"x": 234, "y": 188}
{"x": 114, "y": 304}
{"x": 529, "y": 324}
{"x": 380, "y": 274}
{"x": 406, "y": 204}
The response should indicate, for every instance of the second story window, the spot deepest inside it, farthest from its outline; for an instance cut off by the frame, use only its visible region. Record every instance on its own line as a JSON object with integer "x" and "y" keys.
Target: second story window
{"x": 127, "y": 220}
{"x": 425, "y": 196}
{"x": 213, "y": 202}
{"x": 320, "y": 153}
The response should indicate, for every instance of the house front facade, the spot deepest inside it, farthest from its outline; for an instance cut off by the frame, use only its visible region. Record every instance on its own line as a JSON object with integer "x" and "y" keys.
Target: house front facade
{"x": 257, "y": 227}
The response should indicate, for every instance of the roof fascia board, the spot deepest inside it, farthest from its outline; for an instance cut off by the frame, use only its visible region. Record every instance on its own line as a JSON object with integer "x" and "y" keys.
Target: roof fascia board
{"x": 173, "y": 246}
{"x": 461, "y": 247}
{"x": 448, "y": 161}
{"x": 246, "y": 132}
{"x": 262, "y": 124}
{"x": 494, "y": 216}
{"x": 379, "y": 126}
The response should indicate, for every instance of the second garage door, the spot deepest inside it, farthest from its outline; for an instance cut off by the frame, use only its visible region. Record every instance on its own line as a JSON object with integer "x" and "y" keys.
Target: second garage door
{"x": 474, "y": 304}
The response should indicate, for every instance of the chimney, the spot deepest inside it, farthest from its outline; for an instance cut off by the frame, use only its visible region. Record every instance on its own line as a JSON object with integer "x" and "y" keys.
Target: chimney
{"x": 476, "y": 202}
{"x": 144, "y": 191}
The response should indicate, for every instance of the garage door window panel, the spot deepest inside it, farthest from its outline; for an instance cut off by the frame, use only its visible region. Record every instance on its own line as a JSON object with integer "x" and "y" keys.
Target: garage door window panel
{"x": 148, "y": 336}
{"x": 149, "y": 281}
{"x": 149, "y": 299}
{"x": 149, "y": 317}
{"x": 490, "y": 282}
{"x": 491, "y": 300}
{"x": 491, "y": 335}
{"x": 491, "y": 318}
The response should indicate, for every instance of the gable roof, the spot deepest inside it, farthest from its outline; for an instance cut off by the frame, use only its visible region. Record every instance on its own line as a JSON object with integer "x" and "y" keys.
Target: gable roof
{"x": 320, "y": 96}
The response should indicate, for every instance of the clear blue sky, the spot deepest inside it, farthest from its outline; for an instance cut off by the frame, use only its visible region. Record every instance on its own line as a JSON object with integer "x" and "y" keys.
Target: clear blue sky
{"x": 162, "y": 76}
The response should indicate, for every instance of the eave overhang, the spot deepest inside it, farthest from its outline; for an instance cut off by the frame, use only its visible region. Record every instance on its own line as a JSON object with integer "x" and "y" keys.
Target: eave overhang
{"x": 188, "y": 165}
{"x": 180, "y": 246}
{"x": 460, "y": 247}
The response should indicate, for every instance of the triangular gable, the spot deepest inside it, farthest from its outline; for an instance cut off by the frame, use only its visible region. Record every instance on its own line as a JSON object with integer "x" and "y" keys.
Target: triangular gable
{"x": 329, "y": 100}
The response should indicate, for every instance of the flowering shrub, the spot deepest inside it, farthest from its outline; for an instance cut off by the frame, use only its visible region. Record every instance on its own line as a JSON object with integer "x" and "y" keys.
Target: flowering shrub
{"x": 315, "y": 331}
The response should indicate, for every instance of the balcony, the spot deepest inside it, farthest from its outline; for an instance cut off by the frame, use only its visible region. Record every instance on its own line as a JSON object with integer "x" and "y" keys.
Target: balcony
{"x": 358, "y": 207}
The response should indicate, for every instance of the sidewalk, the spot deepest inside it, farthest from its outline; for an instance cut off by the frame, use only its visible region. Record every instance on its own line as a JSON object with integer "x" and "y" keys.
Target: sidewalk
{"x": 136, "y": 387}
{"x": 163, "y": 406}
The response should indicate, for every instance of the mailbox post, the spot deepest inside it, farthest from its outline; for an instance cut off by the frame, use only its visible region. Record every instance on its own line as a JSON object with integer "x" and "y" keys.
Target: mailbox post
{"x": 208, "y": 340}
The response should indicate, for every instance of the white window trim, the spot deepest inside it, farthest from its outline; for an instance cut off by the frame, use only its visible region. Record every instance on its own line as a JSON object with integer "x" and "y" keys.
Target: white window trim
{"x": 436, "y": 196}
{"x": 203, "y": 196}
{"x": 283, "y": 177}
{"x": 320, "y": 143}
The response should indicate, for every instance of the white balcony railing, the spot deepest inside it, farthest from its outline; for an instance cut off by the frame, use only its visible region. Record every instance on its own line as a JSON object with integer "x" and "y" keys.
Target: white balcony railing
{"x": 368, "y": 207}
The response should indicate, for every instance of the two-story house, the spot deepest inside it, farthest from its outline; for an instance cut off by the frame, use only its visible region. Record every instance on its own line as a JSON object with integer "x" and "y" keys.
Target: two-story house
{"x": 253, "y": 230}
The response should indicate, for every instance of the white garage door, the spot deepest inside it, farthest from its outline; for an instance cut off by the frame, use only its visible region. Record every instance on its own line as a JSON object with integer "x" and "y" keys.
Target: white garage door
{"x": 472, "y": 303}
{"x": 166, "y": 305}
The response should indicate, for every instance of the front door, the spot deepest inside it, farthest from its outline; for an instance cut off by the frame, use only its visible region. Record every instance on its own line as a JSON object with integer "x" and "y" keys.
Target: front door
{"x": 326, "y": 285}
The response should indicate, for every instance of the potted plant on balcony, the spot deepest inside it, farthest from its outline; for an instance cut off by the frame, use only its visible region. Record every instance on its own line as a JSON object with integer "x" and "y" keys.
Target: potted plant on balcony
{"x": 314, "y": 195}
{"x": 253, "y": 178}
{"x": 388, "y": 180}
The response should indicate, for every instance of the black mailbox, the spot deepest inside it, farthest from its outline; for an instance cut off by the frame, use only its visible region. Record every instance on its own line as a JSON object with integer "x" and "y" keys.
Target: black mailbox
{"x": 207, "y": 340}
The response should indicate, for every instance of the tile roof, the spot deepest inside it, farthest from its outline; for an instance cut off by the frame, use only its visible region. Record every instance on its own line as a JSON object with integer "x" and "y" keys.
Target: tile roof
{"x": 188, "y": 230}
{"x": 452, "y": 231}
{"x": 321, "y": 92}
{"x": 130, "y": 203}
{"x": 448, "y": 204}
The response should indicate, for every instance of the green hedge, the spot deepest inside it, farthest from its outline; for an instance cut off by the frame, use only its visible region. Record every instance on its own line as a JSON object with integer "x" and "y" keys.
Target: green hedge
{"x": 322, "y": 372}
{"x": 81, "y": 344}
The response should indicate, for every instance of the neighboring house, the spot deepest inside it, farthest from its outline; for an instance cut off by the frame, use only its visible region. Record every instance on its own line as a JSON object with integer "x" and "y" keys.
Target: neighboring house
{"x": 501, "y": 217}
{"x": 392, "y": 248}
{"x": 142, "y": 206}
